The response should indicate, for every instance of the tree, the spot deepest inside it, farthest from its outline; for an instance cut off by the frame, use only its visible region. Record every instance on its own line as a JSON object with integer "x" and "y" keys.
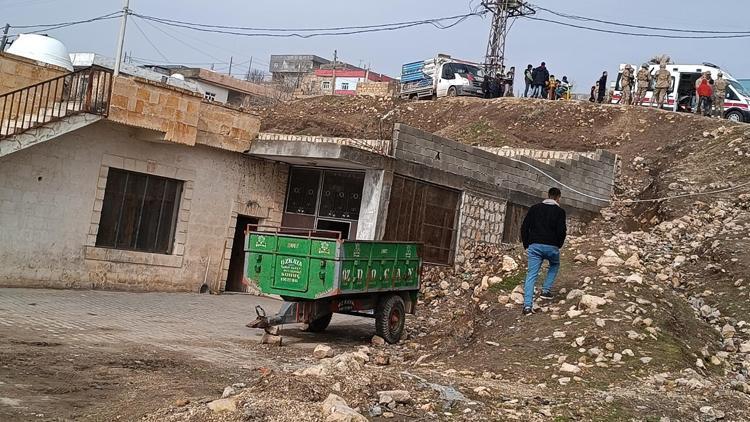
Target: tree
{"x": 255, "y": 75}
{"x": 661, "y": 58}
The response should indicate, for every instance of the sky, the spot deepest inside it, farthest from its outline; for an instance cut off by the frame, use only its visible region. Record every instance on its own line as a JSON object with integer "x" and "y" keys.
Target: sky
{"x": 579, "y": 54}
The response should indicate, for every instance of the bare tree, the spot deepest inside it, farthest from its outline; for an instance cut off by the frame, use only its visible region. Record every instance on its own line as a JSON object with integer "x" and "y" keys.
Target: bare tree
{"x": 255, "y": 75}
{"x": 661, "y": 58}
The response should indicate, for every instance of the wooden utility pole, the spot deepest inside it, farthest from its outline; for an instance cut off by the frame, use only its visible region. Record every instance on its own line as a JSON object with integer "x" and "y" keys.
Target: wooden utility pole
{"x": 333, "y": 84}
{"x": 231, "y": 59}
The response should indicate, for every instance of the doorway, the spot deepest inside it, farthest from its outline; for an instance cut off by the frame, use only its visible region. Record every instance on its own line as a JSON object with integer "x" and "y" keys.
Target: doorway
{"x": 237, "y": 259}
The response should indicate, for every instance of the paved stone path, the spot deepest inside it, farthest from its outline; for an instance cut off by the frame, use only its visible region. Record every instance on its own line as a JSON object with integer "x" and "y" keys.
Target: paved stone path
{"x": 208, "y": 327}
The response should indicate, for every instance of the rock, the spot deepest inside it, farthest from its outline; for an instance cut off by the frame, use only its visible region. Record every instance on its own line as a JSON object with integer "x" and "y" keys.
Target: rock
{"x": 223, "y": 405}
{"x": 509, "y": 264}
{"x": 322, "y": 351}
{"x": 711, "y": 413}
{"x": 444, "y": 285}
{"x": 728, "y": 331}
{"x": 610, "y": 259}
{"x": 271, "y": 339}
{"x": 181, "y": 402}
{"x": 376, "y": 411}
{"x": 573, "y": 369}
{"x": 503, "y": 299}
{"x": 228, "y": 392}
{"x": 573, "y": 294}
{"x": 377, "y": 341}
{"x": 600, "y": 322}
{"x": 616, "y": 357}
{"x": 517, "y": 298}
{"x": 634, "y": 278}
{"x": 382, "y": 360}
{"x": 335, "y": 409}
{"x": 494, "y": 280}
{"x": 699, "y": 363}
{"x": 399, "y": 396}
{"x": 646, "y": 359}
{"x": 580, "y": 258}
{"x": 745, "y": 347}
{"x": 573, "y": 313}
{"x": 591, "y": 302}
{"x": 679, "y": 260}
{"x": 633, "y": 262}
{"x": 564, "y": 380}
{"x": 715, "y": 361}
{"x": 465, "y": 285}
{"x": 558, "y": 334}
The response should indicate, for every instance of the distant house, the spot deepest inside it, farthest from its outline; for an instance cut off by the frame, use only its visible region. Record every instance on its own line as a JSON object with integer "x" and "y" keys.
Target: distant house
{"x": 291, "y": 68}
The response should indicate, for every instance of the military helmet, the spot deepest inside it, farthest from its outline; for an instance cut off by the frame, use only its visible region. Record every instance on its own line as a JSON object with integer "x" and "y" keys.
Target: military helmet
{"x": 644, "y": 65}
{"x": 721, "y": 73}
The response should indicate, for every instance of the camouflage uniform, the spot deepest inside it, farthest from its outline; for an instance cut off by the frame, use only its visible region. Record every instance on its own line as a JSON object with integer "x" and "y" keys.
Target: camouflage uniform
{"x": 663, "y": 80}
{"x": 644, "y": 78}
{"x": 720, "y": 95}
{"x": 627, "y": 93}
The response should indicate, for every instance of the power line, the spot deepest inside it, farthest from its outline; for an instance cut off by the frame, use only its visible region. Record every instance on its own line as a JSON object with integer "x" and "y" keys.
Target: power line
{"x": 138, "y": 27}
{"x": 53, "y": 26}
{"x": 182, "y": 41}
{"x": 654, "y": 28}
{"x": 640, "y": 34}
{"x": 434, "y": 22}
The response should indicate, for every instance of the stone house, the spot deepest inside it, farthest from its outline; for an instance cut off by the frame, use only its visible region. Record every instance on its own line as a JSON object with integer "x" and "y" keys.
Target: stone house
{"x": 134, "y": 183}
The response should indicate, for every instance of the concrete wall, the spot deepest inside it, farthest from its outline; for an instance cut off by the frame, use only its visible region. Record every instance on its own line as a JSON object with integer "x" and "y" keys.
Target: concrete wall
{"x": 51, "y": 201}
{"x": 221, "y": 93}
{"x": 429, "y": 157}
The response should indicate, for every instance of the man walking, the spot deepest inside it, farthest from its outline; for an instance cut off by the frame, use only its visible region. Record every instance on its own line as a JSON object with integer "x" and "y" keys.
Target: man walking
{"x": 543, "y": 233}
{"x": 528, "y": 77}
{"x": 720, "y": 95}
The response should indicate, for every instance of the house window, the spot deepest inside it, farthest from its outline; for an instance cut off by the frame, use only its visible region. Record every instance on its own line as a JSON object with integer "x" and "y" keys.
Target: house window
{"x": 210, "y": 96}
{"x": 426, "y": 213}
{"x": 139, "y": 212}
{"x": 345, "y": 86}
{"x": 326, "y": 85}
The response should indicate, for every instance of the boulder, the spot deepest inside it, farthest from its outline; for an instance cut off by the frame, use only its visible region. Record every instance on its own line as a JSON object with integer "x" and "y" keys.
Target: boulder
{"x": 509, "y": 264}
{"x": 335, "y": 409}
{"x": 572, "y": 369}
{"x": 223, "y": 405}
{"x": 591, "y": 302}
{"x": 610, "y": 259}
{"x": 322, "y": 351}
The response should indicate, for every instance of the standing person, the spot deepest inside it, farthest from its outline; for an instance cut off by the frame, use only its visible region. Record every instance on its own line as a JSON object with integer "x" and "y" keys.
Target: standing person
{"x": 509, "y": 82}
{"x": 540, "y": 80}
{"x": 602, "y": 88}
{"x": 486, "y": 86}
{"x": 644, "y": 80}
{"x": 663, "y": 79}
{"x": 705, "y": 93}
{"x": 552, "y": 88}
{"x": 626, "y": 85}
{"x": 720, "y": 94}
{"x": 592, "y": 97}
{"x": 528, "y": 78}
{"x": 497, "y": 86}
{"x": 698, "y": 83}
{"x": 543, "y": 234}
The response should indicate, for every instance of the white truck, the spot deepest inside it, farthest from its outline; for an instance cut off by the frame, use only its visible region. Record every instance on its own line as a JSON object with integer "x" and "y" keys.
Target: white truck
{"x": 442, "y": 76}
{"x": 681, "y": 93}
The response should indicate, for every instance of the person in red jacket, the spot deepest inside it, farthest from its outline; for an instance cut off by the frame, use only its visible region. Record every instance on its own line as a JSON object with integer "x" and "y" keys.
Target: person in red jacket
{"x": 705, "y": 92}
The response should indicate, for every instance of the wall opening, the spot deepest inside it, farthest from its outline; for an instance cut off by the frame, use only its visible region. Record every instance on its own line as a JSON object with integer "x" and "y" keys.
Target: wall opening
{"x": 514, "y": 215}
{"x": 237, "y": 259}
{"x": 426, "y": 213}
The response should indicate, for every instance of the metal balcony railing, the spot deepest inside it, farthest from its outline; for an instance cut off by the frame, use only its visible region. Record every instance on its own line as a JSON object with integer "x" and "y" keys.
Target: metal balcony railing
{"x": 84, "y": 91}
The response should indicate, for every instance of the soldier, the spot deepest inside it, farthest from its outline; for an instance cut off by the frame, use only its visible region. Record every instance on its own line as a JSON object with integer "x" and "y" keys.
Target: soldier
{"x": 663, "y": 80}
{"x": 644, "y": 80}
{"x": 720, "y": 95}
{"x": 625, "y": 84}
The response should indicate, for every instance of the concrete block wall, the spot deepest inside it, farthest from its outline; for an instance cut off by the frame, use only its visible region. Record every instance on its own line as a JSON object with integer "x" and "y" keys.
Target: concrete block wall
{"x": 518, "y": 179}
{"x": 546, "y": 156}
{"x": 379, "y": 146}
{"x": 51, "y": 200}
{"x": 481, "y": 221}
{"x": 377, "y": 89}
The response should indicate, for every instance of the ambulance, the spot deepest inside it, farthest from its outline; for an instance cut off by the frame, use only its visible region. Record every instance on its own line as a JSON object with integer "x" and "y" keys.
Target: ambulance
{"x": 681, "y": 92}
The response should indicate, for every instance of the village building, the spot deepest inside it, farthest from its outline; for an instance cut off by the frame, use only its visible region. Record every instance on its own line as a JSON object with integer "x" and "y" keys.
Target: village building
{"x": 141, "y": 183}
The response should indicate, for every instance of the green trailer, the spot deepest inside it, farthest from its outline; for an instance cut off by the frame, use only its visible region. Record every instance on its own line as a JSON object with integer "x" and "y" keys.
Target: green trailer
{"x": 318, "y": 276}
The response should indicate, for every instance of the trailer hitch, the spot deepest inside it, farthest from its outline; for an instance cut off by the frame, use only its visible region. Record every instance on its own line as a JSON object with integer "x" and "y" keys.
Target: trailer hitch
{"x": 287, "y": 314}
{"x": 261, "y": 321}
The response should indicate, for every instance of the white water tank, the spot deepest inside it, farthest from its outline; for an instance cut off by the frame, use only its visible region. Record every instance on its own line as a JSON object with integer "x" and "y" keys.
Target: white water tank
{"x": 43, "y": 49}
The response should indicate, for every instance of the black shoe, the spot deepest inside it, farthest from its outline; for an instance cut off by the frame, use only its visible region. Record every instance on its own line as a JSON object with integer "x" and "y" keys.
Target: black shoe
{"x": 547, "y": 296}
{"x": 528, "y": 311}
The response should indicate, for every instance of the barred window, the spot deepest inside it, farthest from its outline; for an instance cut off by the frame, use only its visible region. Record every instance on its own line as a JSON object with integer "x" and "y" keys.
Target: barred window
{"x": 139, "y": 212}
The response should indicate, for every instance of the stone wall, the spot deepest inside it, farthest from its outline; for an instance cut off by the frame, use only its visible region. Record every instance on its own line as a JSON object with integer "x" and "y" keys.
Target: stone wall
{"x": 518, "y": 179}
{"x": 18, "y": 72}
{"x": 377, "y": 89}
{"x": 52, "y": 196}
{"x": 543, "y": 155}
{"x": 482, "y": 220}
{"x": 379, "y": 146}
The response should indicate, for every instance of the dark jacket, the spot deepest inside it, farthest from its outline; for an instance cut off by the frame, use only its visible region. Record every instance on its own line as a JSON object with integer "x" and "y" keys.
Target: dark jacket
{"x": 545, "y": 224}
{"x": 602, "y": 86}
{"x": 541, "y": 75}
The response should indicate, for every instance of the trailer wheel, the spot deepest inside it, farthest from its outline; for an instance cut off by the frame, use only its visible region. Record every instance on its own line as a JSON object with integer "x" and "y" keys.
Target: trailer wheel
{"x": 320, "y": 324}
{"x": 390, "y": 318}
{"x": 735, "y": 116}
{"x": 452, "y": 91}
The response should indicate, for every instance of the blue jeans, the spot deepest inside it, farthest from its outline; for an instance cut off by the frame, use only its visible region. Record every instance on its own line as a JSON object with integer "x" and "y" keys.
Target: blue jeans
{"x": 537, "y": 253}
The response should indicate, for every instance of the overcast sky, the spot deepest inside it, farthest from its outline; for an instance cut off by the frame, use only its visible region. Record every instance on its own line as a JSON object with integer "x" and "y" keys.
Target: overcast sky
{"x": 579, "y": 54}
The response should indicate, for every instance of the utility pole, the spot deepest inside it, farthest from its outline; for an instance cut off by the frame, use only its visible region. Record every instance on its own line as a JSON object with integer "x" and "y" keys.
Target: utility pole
{"x": 121, "y": 39}
{"x": 335, "y": 59}
{"x": 502, "y": 13}
{"x": 4, "y": 40}
{"x": 231, "y": 59}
